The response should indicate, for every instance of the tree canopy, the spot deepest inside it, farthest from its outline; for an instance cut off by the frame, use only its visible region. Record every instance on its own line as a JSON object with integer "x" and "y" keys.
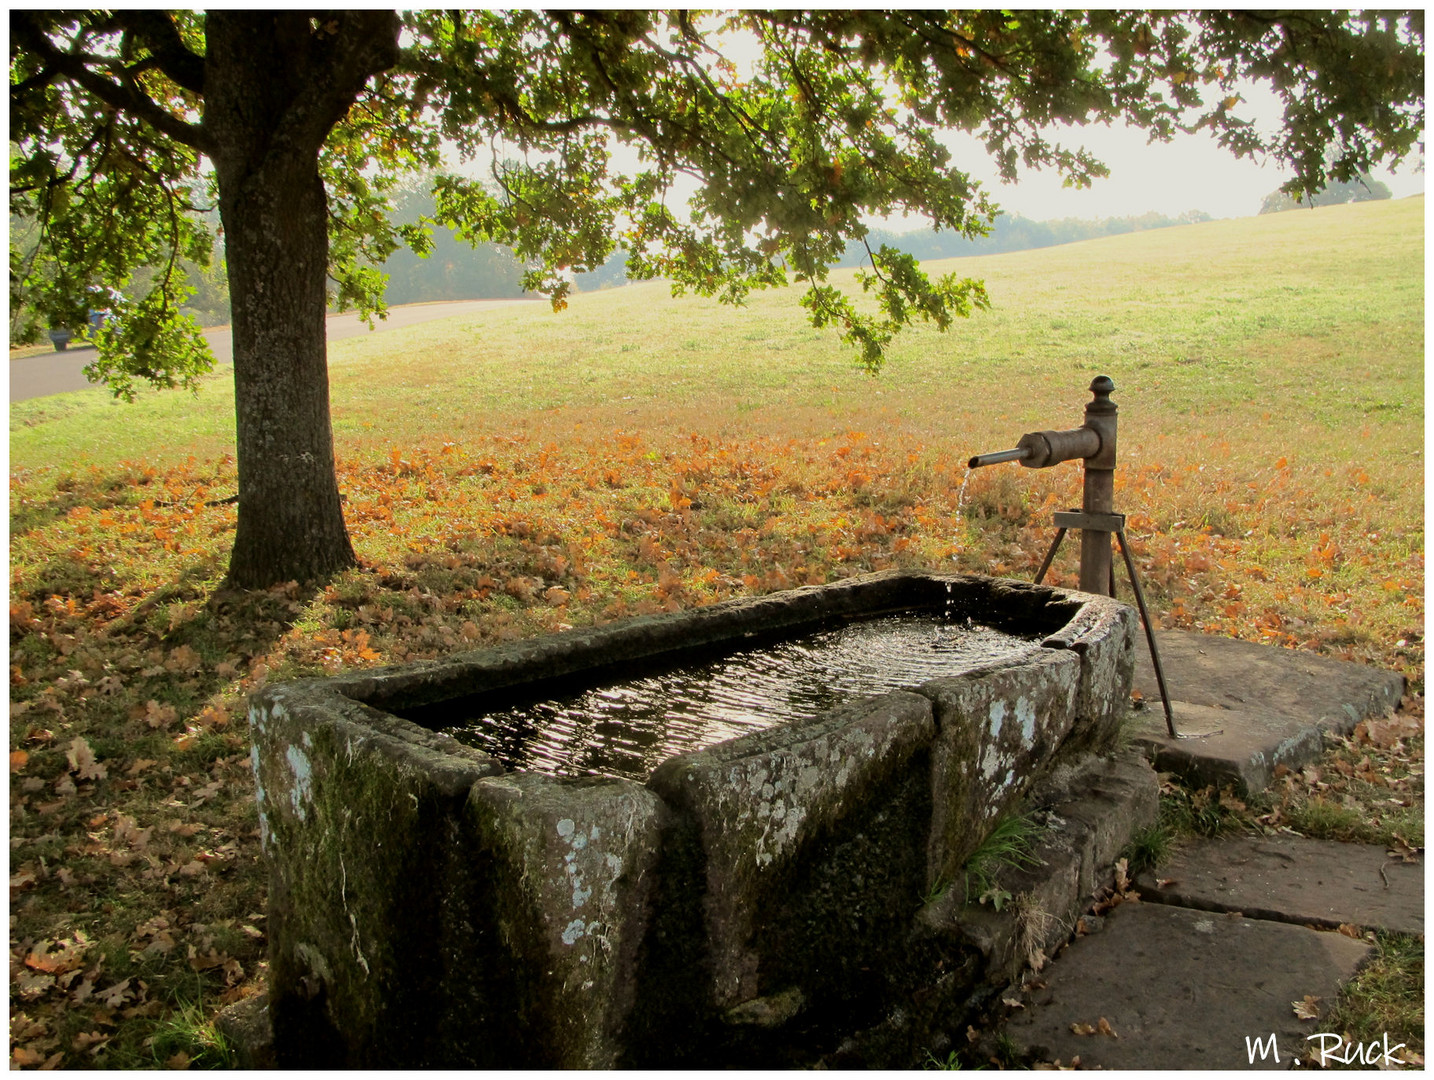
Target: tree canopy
{"x": 722, "y": 152}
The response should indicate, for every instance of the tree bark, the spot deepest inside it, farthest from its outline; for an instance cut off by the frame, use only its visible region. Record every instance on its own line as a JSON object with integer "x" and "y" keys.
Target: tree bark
{"x": 275, "y": 84}
{"x": 291, "y": 524}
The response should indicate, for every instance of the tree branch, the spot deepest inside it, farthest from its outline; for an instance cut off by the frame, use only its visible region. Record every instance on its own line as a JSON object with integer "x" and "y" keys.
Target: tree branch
{"x": 363, "y": 44}
{"x": 159, "y": 34}
{"x": 128, "y": 98}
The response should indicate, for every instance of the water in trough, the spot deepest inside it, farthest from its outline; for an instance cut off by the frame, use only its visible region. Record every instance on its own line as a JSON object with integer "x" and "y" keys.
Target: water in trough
{"x": 627, "y": 728}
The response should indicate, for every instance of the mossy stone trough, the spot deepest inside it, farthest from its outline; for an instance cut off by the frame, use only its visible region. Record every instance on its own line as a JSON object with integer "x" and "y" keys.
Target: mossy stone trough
{"x": 429, "y": 908}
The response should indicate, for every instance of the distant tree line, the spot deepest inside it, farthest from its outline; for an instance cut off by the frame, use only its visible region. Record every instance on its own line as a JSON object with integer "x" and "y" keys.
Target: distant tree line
{"x": 1014, "y": 233}
{"x": 454, "y": 269}
{"x": 1008, "y": 233}
{"x": 457, "y": 270}
{"x": 1361, "y": 189}
{"x": 205, "y": 277}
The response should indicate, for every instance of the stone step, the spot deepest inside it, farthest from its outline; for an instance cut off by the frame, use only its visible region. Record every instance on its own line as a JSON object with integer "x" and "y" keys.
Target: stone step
{"x": 1086, "y": 813}
{"x": 1184, "y": 989}
{"x": 1258, "y": 705}
{"x": 1086, "y": 818}
{"x": 1292, "y": 879}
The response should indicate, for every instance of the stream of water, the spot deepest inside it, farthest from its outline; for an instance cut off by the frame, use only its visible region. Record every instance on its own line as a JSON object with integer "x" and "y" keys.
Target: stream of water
{"x": 627, "y": 728}
{"x": 961, "y": 495}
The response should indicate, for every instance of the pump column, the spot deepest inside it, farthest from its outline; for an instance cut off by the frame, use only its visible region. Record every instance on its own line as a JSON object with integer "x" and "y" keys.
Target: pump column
{"x": 1099, "y": 490}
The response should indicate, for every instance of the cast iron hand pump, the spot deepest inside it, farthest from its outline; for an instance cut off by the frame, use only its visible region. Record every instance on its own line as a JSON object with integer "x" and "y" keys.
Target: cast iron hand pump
{"x": 1094, "y": 444}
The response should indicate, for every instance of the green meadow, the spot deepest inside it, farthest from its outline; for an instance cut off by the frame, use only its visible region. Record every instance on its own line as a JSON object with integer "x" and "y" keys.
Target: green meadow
{"x": 1312, "y": 317}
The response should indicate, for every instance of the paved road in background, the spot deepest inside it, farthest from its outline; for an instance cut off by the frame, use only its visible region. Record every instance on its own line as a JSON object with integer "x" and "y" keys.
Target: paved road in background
{"x": 59, "y": 372}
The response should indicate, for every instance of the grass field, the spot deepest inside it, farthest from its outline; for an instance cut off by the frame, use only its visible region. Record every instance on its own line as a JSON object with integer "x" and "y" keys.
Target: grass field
{"x": 525, "y": 471}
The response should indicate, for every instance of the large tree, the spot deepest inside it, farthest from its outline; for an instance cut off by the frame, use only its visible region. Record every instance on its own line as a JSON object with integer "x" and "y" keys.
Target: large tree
{"x": 791, "y": 127}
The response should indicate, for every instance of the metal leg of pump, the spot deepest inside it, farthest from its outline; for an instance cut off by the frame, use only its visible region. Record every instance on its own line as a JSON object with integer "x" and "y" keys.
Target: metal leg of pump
{"x": 1119, "y": 535}
{"x": 1149, "y": 634}
{"x": 1050, "y": 555}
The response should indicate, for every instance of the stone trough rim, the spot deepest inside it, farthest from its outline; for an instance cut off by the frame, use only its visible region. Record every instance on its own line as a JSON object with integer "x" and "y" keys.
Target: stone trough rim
{"x": 643, "y": 638}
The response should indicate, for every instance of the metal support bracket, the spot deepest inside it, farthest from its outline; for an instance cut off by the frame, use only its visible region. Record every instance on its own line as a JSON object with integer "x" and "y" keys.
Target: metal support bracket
{"x": 1079, "y": 519}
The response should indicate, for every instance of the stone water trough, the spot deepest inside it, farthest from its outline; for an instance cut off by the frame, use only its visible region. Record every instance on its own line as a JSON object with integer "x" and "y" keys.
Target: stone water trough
{"x": 429, "y": 907}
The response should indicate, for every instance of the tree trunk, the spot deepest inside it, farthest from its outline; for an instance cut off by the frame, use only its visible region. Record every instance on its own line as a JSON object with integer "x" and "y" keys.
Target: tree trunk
{"x": 275, "y": 84}
{"x": 291, "y": 525}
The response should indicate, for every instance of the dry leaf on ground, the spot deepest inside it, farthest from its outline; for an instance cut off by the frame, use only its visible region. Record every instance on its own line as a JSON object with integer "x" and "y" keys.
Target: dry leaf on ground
{"x": 82, "y": 761}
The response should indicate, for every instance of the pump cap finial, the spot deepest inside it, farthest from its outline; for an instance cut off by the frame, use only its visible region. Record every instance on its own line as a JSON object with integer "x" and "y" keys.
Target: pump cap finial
{"x": 1102, "y": 385}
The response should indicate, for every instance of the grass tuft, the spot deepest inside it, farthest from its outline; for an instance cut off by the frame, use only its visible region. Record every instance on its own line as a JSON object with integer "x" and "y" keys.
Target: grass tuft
{"x": 1386, "y": 998}
{"x": 1148, "y": 848}
{"x": 1010, "y": 844}
{"x": 188, "y": 1039}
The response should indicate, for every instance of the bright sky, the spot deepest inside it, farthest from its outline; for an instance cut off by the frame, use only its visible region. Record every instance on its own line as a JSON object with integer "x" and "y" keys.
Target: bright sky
{"x": 1189, "y": 173}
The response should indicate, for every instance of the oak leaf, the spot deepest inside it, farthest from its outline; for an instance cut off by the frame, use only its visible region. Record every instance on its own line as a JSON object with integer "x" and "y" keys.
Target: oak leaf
{"x": 212, "y": 959}
{"x": 115, "y": 996}
{"x": 68, "y": 957}
{"x": 29, "y": 986}
{"x": 130, "y": 834}
{"x": 184, "y": 660}
{"x": 1403, "y": 850}
{"x": 82, "y": 761}
{"x": 1308, "y": 1009}
{"x": 93, "y": 1041}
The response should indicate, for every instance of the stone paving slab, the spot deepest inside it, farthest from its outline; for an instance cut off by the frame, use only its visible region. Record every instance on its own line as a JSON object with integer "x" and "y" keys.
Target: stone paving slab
{"x": 1270, "y": 706}
{"x": 1293, "y": 880}
{"x": 1185, "y": 989}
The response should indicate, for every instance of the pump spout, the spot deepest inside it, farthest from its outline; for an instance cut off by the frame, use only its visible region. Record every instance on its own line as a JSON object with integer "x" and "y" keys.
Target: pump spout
{"x": 1020, "y": 453}
{"x": 1042, "y": 449}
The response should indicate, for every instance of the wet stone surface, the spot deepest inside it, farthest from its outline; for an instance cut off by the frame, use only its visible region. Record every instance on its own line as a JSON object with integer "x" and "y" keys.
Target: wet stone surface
{"x": 627, "y": 728}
